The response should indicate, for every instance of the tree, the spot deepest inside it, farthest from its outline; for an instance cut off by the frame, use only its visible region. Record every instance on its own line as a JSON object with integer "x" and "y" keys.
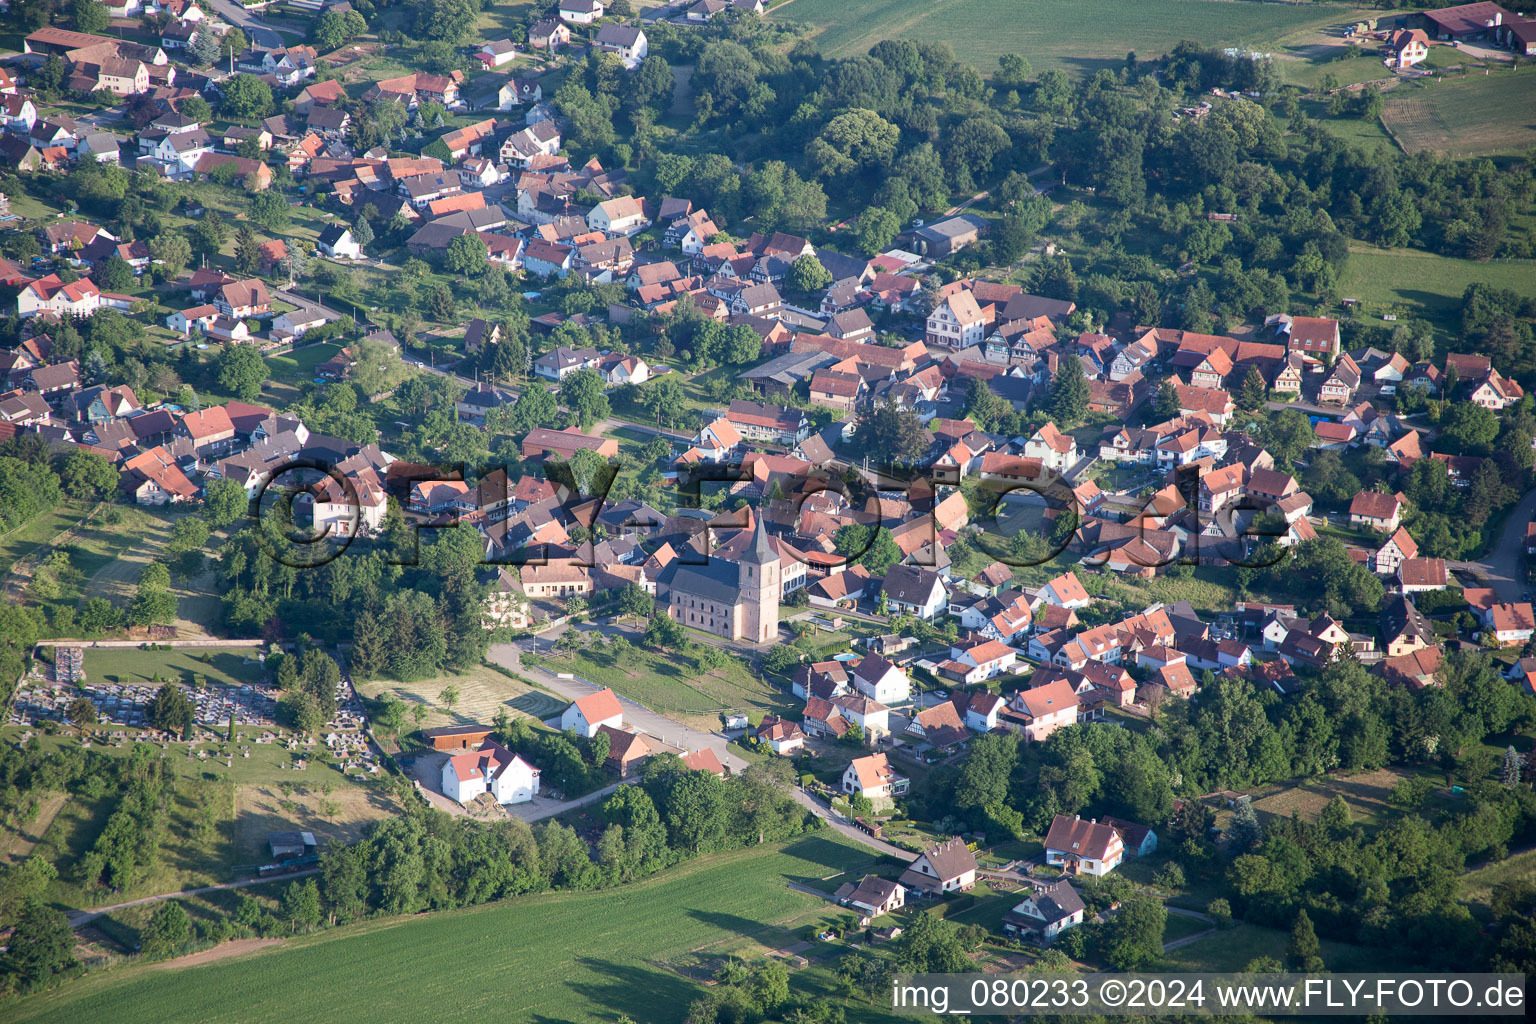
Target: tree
{"x": 247, "y": 250}
{"x": 170, "y": 252}
{"x": 851, "y": 143}
{"x": 806, "y": 275}
{"x": 242, "y": 371}
{"x": 362, "y": 232}
{"x": 116, "y": 274}
{"x": 1253, "y": 391}
{"x": 41, "y": 945}
{"x": 1166, "y": 406}
{"x": 1303, "y": 952}
{"x": 202, "y": 51}
{"x": 584, "y": 393}
{"x": 224, "y": 501}
{"x": 1134, "y": 937}
{"x": 90, "y": 16}
{"x": 82, "y": 712}
{"x": 87, "y": 476}
{"x": 301, "y": 904}
{"x": 246, "y": 96}
{"x": 171, "y": 710}
{"x": 878, "y": 228}
{"x": 467, "y": 254}
{"x": 167, "y": 931}
{"x": 1243, "y": 831}
{"x": 1068, "y": 401}
{"x": 270, "y": 210}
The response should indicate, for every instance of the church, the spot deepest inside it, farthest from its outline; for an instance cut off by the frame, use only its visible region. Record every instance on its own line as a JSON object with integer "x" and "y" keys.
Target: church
{"x": 736, "y": 598}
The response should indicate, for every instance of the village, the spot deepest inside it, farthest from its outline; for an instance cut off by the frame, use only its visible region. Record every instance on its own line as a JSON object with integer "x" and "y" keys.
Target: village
{"x": 431, "y": 454}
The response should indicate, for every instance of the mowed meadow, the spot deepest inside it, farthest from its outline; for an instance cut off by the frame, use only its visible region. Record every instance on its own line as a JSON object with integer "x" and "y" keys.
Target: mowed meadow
{"x": 576, "y": 957}
{"x": 1072, "y": 35}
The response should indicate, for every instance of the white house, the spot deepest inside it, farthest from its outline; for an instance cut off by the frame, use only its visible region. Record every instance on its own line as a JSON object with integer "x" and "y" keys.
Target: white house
{"x": 581, "y": 12}
{"x": 491, "y": 769}
{"x": 947, "y": 867}
{"x": 957, "y": 322}
{"x": 594, "y": 710}
{"x": 197, "y": 318}
{"x": 1054, "y": 449}
{"x": 879, "y": 680}
{"x": 297, "y": 321}
{"x": 1084, "y": 847}
{"x": 873, "y": 778}
{"x": 337, "y": 241}
{"x": 628, "y": 41}
{"x": 619, "y": 216}
{"x": 1046, "y": 913}
{"x": 910, "y": 590}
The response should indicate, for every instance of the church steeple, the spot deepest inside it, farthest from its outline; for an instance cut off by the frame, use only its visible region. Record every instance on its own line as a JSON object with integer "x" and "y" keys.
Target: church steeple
{"x": 760, "y": 551}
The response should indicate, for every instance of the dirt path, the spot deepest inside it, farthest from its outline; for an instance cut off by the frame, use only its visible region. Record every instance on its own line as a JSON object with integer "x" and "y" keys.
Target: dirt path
{"x": 80, "y": 917}
{"x": 223, "y": 951}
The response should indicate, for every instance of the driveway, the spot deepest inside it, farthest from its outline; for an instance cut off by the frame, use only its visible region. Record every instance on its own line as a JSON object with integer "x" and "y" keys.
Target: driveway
{"x": 258, "y": 31}
{"x": 1503, "y": 567}
{"x": 820, "y": 809}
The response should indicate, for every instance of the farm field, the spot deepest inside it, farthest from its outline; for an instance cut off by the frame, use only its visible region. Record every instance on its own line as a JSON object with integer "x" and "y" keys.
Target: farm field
{"x": 1367, "y": 794}
{"x": 1050, "y": 32}
{"x": 482, "y": 692}
{"x": 574, "y": 957}
{"x": 1409, "y": 281}
{"x": 117, "y": 665}
{"x": 1459, "y": 117}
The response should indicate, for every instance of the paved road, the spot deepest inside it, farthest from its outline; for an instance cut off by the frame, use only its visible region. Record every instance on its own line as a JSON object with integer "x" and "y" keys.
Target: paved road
{"x": 819, "y": 809}
{"x": 258, "y": 31}
{"x": 1503, "y": 567}
{"x": 82, "y": 917}
{"x": 538, "y": 809}
{"x": 638, "y": 715}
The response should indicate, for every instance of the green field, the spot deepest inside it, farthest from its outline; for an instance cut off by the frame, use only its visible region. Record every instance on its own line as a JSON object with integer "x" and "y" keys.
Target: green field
{"x": 298, "y": 366}
{"x": 1233, "y": 949}
{"x": 560, "y": 957}
{"x": 671, "y": 685}
{"x": 1471, "y": 116}
{"x": 1072, "y": 35}
{"x": 116, "y": 665}
{"x": 1409, "y": 281}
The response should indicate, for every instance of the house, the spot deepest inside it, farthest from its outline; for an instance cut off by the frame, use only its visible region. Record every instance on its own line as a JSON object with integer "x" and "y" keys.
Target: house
{"x": 1081, "y": 847}
{"x": 1054, "y": 449}
{"x": 1398, "y": 548}
{"x": 50, "y": 296}
{"x": 946, "y": 867}
{"x": 581, "y": 12}
{"x": 619, "y": 216}
{"x": 549, "y": 35}
{"x": 588, "y": 714}
{"x": 494, "y": 54}
{"x": 1139, "y": 840}
{"x": 561, "y": 362}
{"x": 1376, "y": 510}
{"x": 910, "y": 590}
{"x": 542, "y": 442}
{"x": 1046, "y": 913}
{"x": 337, "y": 241}
{"x": 880, "y": 680}
{"x": 457, "y": 737}
{"x": 781, "y": 735}
{"x": 1041, "y": 711}
{"x": 243, "y": 299}
{"x": 1415, "y": 575}
{"x": 628, "y": 41}
{"x": 1065, "y": 591}
{"x": 873, "y": 778}
{"x": 1405, "y": 47}
{"x": 1342, "y": 383}
{"x": 1313, "y": 336}
{"x": 982, "y": 711}
{"x": 1404, "y": 629}
{"x": 957, "y": 322}
{"x": 492, "y": 769}
{"x": 872, "y": 897}
{"x": 705, "y": 760}
{"x": 944, "y": 237}
{"x": 977, "y": 661}
{"x": 1510, "y": 623}
{"x": 626, "y": 750}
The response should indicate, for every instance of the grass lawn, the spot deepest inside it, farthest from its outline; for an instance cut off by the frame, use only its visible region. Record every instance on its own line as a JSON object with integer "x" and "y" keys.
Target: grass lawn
{"x": 1231, "y": 950}
{"x": 1477, "y": 886}
{"x": 1420, "y": 283}
{"x": 1366, "y": 793}
{"x": 672, "y": 685}
{"x": 31, "y": 535}
{"x": 574, "y": 957}
{"x": 1463, "y": 116}
{"x": 482, "y": 690}
{"x": 116, "y": 665}
{"x": 1049, "y": 32}
{"x": 298, "y": 366}
{"x": 1178, "y": 927}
